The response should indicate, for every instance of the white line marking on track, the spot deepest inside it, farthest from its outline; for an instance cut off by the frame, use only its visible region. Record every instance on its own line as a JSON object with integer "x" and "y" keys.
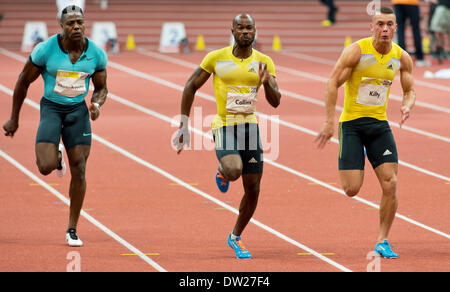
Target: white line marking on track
{"x": 310, "y": 99}
{"x": 211, "y": 98}
{"x": 333, "y": 62}
{"x": 83, "y": 213}
{"x": 278, "y": 165}
{"x": 168, "y": 176}
{"x": 392, "y": 96}
{"x": 208, "y": 97}
{"x": 218, "y": 202}
{"x": 315, "y": 77}
{"x": 281, "y": 122}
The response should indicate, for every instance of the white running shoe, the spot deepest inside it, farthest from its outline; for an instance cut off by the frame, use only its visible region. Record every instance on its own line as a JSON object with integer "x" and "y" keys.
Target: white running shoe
{"x": 72, "y": 238}
{"x": 61, "y": 169}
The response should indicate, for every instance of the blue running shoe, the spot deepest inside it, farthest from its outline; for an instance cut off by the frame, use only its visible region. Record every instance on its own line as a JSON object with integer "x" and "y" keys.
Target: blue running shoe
{"x": 384, "y": 249}
{"x": 221, "y": 182}
{"x": 239, "y": 248}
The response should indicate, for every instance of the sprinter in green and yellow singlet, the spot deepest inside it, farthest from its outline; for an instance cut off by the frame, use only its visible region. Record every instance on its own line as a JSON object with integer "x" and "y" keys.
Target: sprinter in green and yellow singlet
{"x": 239, "y": 71}
{"x": 368, "y": 67}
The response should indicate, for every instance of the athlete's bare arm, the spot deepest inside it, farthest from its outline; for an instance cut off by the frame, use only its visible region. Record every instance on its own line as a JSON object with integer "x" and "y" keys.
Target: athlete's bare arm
{"x": 99, "y": 95}
{"x": 270, "y": 85}
{"x": 197, "y": 79}
{"x": 29, "y": 74}
{"x": 341, "y": 73}
{"x": 407, "y": 82}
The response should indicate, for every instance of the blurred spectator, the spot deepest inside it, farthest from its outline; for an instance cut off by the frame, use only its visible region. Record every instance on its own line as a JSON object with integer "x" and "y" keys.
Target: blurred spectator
{"x": 409, "y": 9}
{"x": 184, "y": 46}
{"x": 331, "y": 16}
{"x": 440, "y": 25}
{"x": 431, "y": 9}
{"x": 61, "y": 4}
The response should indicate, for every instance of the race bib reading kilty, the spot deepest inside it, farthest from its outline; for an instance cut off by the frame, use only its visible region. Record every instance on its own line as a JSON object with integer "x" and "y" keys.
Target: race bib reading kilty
{"x": 241, "y": 99}
{"x": 70, "y": 83}
{"x": 373, "y": 91}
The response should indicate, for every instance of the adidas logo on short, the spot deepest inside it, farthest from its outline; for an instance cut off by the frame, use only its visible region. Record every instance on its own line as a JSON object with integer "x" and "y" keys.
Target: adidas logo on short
{"x": 387, "y": 152}
{"x": 253, "y": 160}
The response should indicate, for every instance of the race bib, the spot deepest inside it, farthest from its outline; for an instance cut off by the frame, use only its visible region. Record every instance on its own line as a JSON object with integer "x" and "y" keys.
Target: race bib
{"x": 241, "y": 99}
{"x": 373, "y": 91}
{"x": 70, "y": 83}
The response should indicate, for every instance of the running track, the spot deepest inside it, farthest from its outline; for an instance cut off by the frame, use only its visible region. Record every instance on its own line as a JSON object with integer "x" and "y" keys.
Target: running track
{"x": 148, "y": 209}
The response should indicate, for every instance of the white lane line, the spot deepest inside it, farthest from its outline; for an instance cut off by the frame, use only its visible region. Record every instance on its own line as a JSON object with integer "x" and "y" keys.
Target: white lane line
{"x": 295, "y": 72}
{"x": 392, "y": 96}
{"x": 273, "y": 163}
{"x": 218, "y": 202}
{"x": 298, "y": 73}
{"x": 310, "y": 99}
{"x": 208, "y": 97}
{"x": 281, "y": 122}
{"x": 333, "y": 62}
{"x": 91, "y": 219}
{"x": 177, "y": 181}
{"x": 211, "y": 98}
{"x": 278, "y": 165}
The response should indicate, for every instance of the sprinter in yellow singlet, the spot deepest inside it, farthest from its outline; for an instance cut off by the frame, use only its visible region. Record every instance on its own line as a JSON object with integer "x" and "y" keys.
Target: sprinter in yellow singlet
{"x": 239, "y": 71}
{"x": 368, "y": 68}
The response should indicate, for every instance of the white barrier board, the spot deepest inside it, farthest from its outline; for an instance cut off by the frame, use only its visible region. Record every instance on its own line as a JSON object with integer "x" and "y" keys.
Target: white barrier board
{"x": 171, "y": 35}
{"x": 103, "y": 32}
{"x": 34, "y": 32}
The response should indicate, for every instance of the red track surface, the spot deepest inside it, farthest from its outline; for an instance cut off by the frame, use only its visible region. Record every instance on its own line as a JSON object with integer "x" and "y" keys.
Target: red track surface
{"x": 186, "y": 231}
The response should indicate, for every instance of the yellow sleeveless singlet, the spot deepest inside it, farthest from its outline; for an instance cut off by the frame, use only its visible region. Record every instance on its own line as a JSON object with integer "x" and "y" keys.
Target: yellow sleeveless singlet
{"x": 367, "y": 89}
{"x": 236, "y": 85}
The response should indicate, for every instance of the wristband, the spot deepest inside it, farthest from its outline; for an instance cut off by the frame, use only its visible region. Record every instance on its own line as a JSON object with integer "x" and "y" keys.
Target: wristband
{"x": 184, "y": 122}
{"x": 183, "y": 132}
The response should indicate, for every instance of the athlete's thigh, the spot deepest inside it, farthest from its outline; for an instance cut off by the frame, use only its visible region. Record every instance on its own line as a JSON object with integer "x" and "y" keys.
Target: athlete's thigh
{"x": 46, "y": 153}
{"x": 49, "y": 132}
{"x": 231, "y": 162}
{"x": 50, "y": 123}
{"x": 252, "y": 154}
{"x": 226, "y": 148}
{"x": 351, "y": 156}
{"x": 351, "y": 148}
{"x": 380, "y": 144}
{"x": 351, "y": 180}
{"x": 77, "y": 127}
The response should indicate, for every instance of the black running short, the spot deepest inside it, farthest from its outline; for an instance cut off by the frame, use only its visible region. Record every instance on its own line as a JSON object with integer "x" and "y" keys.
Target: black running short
{"x": 243, "y": 140}
{"x": 375, "y": 135}
{"x": 69, "y": 122}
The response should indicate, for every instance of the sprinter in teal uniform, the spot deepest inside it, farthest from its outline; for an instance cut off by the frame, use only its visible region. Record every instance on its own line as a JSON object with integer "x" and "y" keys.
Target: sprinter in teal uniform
{"x": 67, "y": 62}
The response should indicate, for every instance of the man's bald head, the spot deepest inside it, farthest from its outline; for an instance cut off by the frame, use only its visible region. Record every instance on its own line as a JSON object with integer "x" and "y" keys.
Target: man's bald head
{"x": 243, "y": 30}
{"x": 237, "y": 19}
